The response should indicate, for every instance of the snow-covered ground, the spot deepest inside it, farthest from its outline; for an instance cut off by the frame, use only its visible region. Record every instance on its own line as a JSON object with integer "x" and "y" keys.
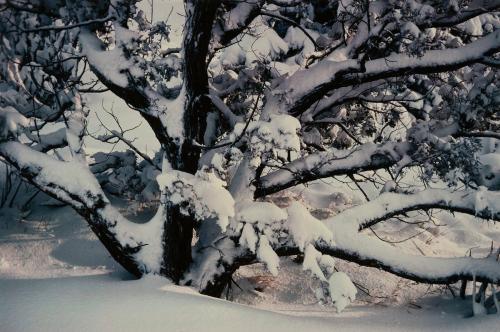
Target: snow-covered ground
{"x": 109, "y": 302}
{"x": 55, "y": 276}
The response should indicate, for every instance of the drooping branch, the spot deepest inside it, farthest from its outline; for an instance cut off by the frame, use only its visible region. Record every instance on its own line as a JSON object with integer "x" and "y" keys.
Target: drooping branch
{"x": 344, "y": 240}
{"x": 351, "y": 245}
{"x": 370, "y": 252}
{"x": 73, "y": 183}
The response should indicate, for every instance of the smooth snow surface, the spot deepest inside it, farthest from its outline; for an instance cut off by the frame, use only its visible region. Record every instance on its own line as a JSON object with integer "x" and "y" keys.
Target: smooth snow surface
{"x": 110, "y": 303}
{"x": 55, "y": 276}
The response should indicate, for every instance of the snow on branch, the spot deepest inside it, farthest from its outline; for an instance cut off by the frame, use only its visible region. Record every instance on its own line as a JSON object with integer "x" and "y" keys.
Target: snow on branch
{"x": 54, "y": 176}
{"x": 330, "y": 163}
{"x": 342, "y": 239}
{"x": 202, "y": 195}
{"x": 309, "y": 85}
{"x": 47, "y": 142}
{"x": 482, "y": 203}
{"x": 136, "y": 246}
{"x": 112, "y": 68}
{"x": 237, "y": 20}
{"x": 475, "y": 8}
{"x": 351, "y": 245}
{"x": 370, "y": 252}
{"x": 11, "y": 122}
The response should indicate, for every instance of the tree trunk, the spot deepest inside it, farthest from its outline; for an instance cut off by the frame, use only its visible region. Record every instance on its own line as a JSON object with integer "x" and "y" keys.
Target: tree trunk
{"x": 178, "y": 228}
{"x": 177, "y": 239}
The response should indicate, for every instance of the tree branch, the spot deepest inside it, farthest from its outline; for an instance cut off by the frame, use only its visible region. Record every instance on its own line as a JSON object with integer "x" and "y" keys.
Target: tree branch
{"x": 327, "y": 75}
{"x": 74, "y": 184}
{"x": 64, "y": 27}
{"x": 388, "y": 205}
{"x": 326, "y": 164}
{"x": 295, "y": 24}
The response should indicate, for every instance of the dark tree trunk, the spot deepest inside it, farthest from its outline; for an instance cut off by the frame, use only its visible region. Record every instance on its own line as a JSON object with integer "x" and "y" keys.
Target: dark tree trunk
{"x": 178, "y": 229}
{"x": 177, "y": 238}
{"x": 198, "y": 104}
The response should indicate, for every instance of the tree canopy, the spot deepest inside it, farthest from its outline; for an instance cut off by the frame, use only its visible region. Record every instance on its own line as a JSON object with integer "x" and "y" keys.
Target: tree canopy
{"x": 262, "y": 95}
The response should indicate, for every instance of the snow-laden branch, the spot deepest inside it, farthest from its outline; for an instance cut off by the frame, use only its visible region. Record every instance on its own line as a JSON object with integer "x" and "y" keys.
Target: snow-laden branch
{"x": 137, "y": 247}
{"x": 47, "y": 142}
{"x": 232, "y": 118}
{"x": 368, "y": 251}
{"x": 331, "y": 163}
{"x": 293, "y": 23}
{"x": 341, "y": 96}
{"x": 343, "y": 239}
{"x": 236, "y": 21}
{"x": 340, "y": 237}
{"x": 309, "y": 85}
{"x": 371, "y": 252}
{"x": 69, "y": 182}
{"x": 112, "y": 68}
{"x": 482, "y": 203}
{"x": 475, "y": 8}
{"x": 121, "y": 75}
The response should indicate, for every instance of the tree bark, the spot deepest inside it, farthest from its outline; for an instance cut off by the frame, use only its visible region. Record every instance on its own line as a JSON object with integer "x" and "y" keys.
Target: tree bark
{"x": 178, "y": 229}
{"x": 177, "y": 238}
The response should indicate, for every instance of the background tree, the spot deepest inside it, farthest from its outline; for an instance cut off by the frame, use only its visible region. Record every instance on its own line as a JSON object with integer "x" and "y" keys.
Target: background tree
{"x": 262, "y": 96}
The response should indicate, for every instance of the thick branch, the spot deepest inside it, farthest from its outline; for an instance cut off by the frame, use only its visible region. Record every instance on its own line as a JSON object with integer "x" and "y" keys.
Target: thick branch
{"x": 482, "y": 204}
{"x": 326, "y": 164}
{"x": 328, "y": 75}
{"x": 72, "y": 183}
{"x": 474, "y": 9}
{"x": 109, "y": 67}
{"x": 349, "y": 244}
{"x": 432, "y": 270}
{"x": 197, "y": 37}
